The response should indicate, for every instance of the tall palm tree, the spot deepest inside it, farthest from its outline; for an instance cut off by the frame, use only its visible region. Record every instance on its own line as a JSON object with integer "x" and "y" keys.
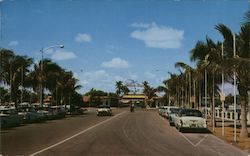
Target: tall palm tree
{"x": 149, "y": 92}
{"x": 163, "y": 89}
{"x": 12, "y": 68}
{"x": 188, "y": 71}
{"x": 118, "y": 86}
{"x": 207, "y": 55}
{"x": 46, "y": 75}
{"x": 240, "y": 64}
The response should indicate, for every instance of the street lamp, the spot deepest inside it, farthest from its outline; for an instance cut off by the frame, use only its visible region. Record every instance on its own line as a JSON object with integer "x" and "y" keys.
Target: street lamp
{"x": 42, "y": 51}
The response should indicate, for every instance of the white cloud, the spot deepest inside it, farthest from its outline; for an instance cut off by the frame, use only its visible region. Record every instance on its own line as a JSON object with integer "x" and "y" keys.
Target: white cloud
{"x": 116, "y": 63}
{"x": 149, "y": 75}
{"x": 99, "y": 79}
{"x": 13, "y": 43}
{"x": 156, "y": 36}
{"x": 62, "y": 55}
{"x": 83, "y": 38}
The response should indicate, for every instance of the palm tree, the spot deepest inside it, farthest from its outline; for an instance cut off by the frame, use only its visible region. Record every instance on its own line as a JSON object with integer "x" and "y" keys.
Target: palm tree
{"x": 67, "y": 84}
{"x": 163, "y": 89}
{"x": 149, "y": 92}
{"x": 12, "y": 68}
{"x": 173, "y": 86}
{"x": 119, "y": 86}
{"x": 46, "y": 74}
{"x": 188, "y": 72}
{"x": 240, "y": 64}
{"x": 208, "y": 56}
{"x": 125, "y": 90}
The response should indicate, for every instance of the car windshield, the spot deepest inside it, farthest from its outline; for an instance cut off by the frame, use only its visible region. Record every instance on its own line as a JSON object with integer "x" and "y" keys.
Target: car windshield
{"x": 189, "y": 112}
{"x": 174, "y": 110}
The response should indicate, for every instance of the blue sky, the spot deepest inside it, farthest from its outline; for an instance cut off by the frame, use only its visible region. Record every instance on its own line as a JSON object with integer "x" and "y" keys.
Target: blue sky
{"x": 110, "y": 40}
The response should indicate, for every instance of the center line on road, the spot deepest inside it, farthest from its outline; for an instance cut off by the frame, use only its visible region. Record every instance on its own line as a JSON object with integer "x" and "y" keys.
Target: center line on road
{"x": 84, "y": 131}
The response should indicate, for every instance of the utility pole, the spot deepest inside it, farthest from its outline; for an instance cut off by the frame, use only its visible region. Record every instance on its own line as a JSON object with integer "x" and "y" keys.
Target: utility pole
{"x": 234, "y": 48}
{"x": 222, "y": 94}
{"x": 205, "y": 93}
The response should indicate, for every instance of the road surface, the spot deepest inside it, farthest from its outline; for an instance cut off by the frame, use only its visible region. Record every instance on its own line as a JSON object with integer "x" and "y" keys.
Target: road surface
{"x": 143, "y": 132}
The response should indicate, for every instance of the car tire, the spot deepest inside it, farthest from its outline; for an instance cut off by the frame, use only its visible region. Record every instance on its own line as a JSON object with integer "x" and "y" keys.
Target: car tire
{"x": 180, "y": 129}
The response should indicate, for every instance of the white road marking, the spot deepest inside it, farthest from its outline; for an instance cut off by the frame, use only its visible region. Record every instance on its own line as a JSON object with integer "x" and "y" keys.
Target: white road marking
{"x": 195, "y": 145}
{"x": 84, "y": 131}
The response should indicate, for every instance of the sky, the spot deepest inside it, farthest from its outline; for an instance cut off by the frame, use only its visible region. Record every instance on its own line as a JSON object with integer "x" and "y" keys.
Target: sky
{"x": 111, "y": 40}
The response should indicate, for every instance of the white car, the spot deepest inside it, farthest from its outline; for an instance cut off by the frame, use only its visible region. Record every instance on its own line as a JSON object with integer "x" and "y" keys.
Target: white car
{"x": 103, "y": 110}
{"x": 172, "y": 116}
{"x": 168, "y": 111}
{"x": 162, "y": 110}
{"x": 190, "y": 119}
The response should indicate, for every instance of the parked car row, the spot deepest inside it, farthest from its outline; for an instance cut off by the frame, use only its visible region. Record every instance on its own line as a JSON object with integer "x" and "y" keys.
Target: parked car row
{"x": 26, "y": 113}
{"x": 183, "y": 118}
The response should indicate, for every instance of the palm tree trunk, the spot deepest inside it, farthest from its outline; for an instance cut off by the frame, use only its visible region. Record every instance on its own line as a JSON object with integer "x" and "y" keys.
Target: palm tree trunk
{"x": 243, "y": 131}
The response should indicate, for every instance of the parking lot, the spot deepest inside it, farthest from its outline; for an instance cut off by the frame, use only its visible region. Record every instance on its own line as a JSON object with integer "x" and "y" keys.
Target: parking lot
{"x": 142, "y": 132}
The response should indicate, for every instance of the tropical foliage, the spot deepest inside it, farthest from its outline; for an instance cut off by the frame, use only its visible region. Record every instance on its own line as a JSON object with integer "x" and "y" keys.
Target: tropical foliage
{"x": 25, "y": 78}
{"x": 188, "y": 87}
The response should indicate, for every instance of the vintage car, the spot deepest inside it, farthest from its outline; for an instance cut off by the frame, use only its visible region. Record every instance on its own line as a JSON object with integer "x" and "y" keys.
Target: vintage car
{"x": 168, "y": 111}
{"x": 9, "y": 117}
{"x": 162, "y": 110}
{"x": 173, "y": 115}
{"x": 190, "y": 119}
{"x": 29, "y": 114}
{"x": 56, "y": 112}
{"x": 103, "y": 110}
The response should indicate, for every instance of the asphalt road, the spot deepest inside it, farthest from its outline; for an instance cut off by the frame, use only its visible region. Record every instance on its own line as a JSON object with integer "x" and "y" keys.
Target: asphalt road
{"x": 143, "y": 132}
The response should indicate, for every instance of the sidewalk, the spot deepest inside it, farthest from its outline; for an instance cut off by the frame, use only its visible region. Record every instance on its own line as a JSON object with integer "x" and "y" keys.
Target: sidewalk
{"x": 241, "y": 143}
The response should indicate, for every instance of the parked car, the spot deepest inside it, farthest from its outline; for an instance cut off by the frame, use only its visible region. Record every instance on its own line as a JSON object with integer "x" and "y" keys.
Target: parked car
{"x": 103, "y": 110}
{"x": 168, "y": 111}
{"x": 44, "y": 111}
{"x": 190, "y": 119}
{"x": 29, "y": 114}
{"x": 162, "y": 110}
{"x": 56, "y": 112}
{"x": 9, "y": 117}
{"x": 173, "y": 115}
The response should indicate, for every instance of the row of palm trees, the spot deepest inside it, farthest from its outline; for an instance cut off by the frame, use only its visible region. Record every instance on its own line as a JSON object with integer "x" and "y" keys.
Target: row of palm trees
{"x": 20, "y": 74}
{"x": 215, "y": 62}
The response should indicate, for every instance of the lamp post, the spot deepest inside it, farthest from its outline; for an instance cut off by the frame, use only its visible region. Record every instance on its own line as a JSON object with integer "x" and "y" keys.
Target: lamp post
{"x": 42, "y": 51}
